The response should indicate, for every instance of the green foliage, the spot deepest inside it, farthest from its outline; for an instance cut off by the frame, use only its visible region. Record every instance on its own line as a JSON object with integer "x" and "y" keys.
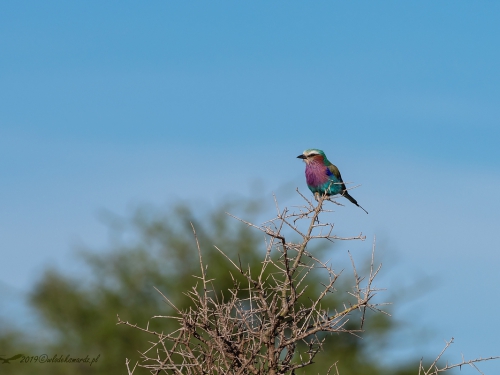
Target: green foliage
{"x": 157, "y": 249}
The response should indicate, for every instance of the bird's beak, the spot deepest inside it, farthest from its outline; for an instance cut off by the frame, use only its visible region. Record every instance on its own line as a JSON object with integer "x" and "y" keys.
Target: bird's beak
{"x": 301, "y": 156}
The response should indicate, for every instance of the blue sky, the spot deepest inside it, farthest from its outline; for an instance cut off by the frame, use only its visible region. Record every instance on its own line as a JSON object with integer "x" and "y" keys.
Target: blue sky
{"x": 104, "y": 106}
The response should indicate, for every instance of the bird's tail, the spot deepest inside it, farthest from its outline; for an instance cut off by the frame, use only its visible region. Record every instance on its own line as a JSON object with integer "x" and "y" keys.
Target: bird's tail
{"x": 348, "y": 196}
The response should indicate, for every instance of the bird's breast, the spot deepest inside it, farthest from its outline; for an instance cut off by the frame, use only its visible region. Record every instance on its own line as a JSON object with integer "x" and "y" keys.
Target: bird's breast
{"x": 316, "y": 174}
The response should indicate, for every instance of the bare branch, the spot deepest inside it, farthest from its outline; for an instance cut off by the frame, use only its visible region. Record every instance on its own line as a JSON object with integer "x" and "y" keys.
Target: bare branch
{"x": 270, "y": 320}
{"x": 434, "y": 369}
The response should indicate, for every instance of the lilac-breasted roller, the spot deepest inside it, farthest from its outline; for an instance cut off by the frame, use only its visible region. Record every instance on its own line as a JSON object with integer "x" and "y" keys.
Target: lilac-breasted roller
{"x": 323, "y": 177}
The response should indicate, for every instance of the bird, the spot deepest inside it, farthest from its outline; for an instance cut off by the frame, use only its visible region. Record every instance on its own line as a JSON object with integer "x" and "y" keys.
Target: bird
{"x": 14, "y": 357}
{"x": 322, "y": 177}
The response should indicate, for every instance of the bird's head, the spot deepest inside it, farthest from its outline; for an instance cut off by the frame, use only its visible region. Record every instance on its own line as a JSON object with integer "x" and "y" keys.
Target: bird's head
{"x": 313, "y": 155}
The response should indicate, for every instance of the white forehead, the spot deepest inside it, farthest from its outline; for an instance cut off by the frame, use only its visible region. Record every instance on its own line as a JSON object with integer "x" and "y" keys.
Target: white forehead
{"x": 310, "y": 151}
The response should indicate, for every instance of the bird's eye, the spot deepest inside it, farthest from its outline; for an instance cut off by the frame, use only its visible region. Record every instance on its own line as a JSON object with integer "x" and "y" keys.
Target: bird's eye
{"x": 311, "y": 155}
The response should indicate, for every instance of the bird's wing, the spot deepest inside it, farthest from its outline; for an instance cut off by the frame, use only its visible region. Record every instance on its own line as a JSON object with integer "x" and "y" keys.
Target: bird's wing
{"x": 335, "y": 171}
